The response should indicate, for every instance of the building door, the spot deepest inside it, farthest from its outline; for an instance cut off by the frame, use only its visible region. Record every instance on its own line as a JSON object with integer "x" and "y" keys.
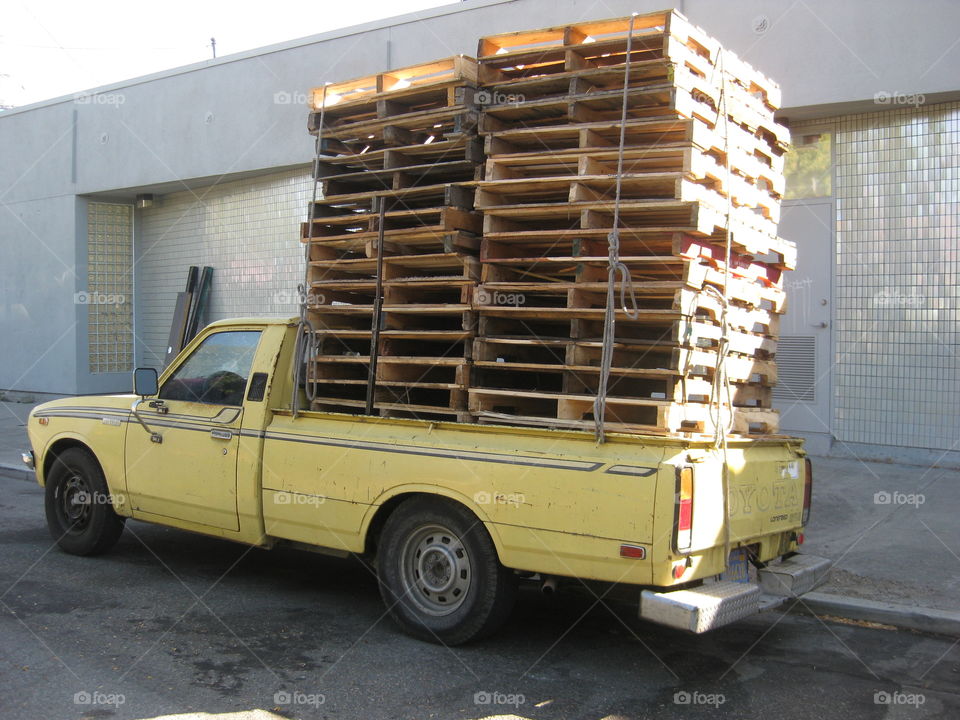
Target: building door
{"x": 804, "y": 363}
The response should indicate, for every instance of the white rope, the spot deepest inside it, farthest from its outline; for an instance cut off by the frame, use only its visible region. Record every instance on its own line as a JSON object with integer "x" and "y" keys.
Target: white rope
{"x": 720, "y": 389}
{"x": 614, "y": 266}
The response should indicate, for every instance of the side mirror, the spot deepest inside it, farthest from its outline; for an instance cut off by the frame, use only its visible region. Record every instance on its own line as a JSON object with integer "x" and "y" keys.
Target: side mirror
{"x": 145, "y": 382}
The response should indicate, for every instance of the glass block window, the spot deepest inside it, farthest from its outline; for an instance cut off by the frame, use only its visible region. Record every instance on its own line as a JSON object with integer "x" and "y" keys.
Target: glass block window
{"x": 897, "y": 373}
{"x": 109, "y": 292}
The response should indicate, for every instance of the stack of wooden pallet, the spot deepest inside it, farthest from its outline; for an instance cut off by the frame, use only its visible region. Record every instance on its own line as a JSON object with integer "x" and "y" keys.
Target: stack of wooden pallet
{"x": 397, "y": 154}
{"x": 702, "y": 156}
{"x": 509, "y": 327}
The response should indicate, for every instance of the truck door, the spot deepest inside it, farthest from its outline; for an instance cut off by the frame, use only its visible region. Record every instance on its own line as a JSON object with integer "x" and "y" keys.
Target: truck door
{"x": 191, "y": 474}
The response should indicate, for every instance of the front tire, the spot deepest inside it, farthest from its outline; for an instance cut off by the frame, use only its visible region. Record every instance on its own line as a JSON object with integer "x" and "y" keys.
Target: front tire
{"x": 77, "y": 502}
{"x": 439, "y": 573}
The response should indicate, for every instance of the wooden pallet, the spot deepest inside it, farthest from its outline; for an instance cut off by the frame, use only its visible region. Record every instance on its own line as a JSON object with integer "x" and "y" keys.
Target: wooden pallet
{"x": 698, "y": 210}
{"x": 594, "y": 184}
{"x": 748, "y": 174}
{"x": 738, "y": 103}
{"x": 651, "y": 257}
{"x": 418, "y": 370}
{"x": 447, "y": 290}
{"x": 439, "y": 220}
{"x": 665, "y": 328}
{"x": 440, "y": 83}
{"x": 462, "y": 147}
{"x": 417, "y": 197}
{"x": 752, "y": 234}
{"x": 337, "y": 343}
{"x": 749, "y": 155}
{"x": 638, "y": 383}
{"x": 439, "y": 172}
{"x": 744, "y": 311}
{"x": 603, "y": 42}
{"x": 404, "y": 129}
{"x": 658, "y": 101}
{"x": 426, "y": 239}
{"x": 398, "y": 83}
{"x": 567, "y": 410}
{"x": 533, "y": 241}
{"x": 649, "y": 101}
{"x": 652, "y": 360}
{"x": 396, "y": 267}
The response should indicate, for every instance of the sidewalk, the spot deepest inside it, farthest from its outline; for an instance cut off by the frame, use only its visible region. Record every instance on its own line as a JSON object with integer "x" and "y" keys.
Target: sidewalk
{"x": 890, "y": 529}
{"x": 13, "y": 433}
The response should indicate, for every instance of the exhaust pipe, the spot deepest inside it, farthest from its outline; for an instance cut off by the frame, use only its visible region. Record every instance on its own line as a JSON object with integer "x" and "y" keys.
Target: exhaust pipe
{"x": 549, "y": 585}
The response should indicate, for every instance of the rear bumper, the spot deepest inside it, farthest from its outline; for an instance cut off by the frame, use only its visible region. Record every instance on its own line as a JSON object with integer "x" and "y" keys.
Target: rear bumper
{"x": 713, "y": 605}
{"x": 707, "y": 607}
{"x": 27, "y": 458}
{"x": 794, "y": 576}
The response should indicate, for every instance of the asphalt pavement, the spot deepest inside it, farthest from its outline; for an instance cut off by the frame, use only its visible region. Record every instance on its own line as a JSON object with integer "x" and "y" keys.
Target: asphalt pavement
{"x": 169, "y": 622}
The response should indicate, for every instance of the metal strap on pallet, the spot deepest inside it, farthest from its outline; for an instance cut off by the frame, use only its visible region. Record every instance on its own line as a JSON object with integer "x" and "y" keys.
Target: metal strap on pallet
{"x": 614, "y": 265}
{"x": 306, "y": 333}
{"x": 377, "y": 309}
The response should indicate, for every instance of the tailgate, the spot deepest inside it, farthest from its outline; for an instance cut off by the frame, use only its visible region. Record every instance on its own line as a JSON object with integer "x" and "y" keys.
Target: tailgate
{"x": 766, "y": 493}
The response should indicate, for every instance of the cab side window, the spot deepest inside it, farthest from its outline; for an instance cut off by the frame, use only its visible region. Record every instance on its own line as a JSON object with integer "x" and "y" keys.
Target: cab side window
{"x": 216, "y": 372}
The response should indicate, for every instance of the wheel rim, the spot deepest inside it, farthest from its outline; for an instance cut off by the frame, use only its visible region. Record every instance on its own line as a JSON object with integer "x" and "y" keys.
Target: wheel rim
{"x": 435, "y": 568}
{"x": 75, "y": 503}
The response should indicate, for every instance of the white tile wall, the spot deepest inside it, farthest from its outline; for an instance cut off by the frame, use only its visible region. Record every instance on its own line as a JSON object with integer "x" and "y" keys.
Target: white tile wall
{"x": 897, "y": 374}
{"x": 247, "y": 230}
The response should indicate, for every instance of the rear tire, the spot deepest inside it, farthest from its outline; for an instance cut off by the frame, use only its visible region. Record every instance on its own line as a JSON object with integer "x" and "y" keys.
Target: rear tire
{"x": 439, "y": 573}
{"x": 79, "y": 513}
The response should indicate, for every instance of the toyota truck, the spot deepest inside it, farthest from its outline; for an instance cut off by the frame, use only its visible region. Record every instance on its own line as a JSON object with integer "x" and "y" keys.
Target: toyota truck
{"x": 451, "y": 515}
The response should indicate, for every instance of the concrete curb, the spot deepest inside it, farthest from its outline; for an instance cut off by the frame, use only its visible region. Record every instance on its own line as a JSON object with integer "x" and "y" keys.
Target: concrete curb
{"x": 17, "y": 472}
{"x": 941, "y": 622}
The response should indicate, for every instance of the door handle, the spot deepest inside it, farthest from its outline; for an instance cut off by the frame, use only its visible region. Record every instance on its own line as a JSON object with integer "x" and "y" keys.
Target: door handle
{"x": 818, "y": 325}
{"x": 221, "y": 434}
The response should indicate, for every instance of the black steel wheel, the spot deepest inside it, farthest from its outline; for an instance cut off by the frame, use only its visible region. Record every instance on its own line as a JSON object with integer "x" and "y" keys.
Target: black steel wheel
{"x": 77, "y": 501}
{"x": 439, "y": 573}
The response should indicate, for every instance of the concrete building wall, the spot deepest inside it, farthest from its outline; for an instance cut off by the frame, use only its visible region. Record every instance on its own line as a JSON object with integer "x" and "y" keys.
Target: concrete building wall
{"x": 39, "y": 319}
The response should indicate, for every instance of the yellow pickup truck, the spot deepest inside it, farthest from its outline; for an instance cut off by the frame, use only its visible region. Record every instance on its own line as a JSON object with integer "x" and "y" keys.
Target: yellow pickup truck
{"x": 452, "y": 515}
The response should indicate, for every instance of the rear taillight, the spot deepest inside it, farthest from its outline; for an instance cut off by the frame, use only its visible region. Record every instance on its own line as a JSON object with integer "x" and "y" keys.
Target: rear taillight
{"x": 807, "y": 489}
{"x": 684, "y": 523}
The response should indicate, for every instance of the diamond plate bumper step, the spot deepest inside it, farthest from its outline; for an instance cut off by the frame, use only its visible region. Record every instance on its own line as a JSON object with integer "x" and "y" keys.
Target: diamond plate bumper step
{"x": 701, "y": 609}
